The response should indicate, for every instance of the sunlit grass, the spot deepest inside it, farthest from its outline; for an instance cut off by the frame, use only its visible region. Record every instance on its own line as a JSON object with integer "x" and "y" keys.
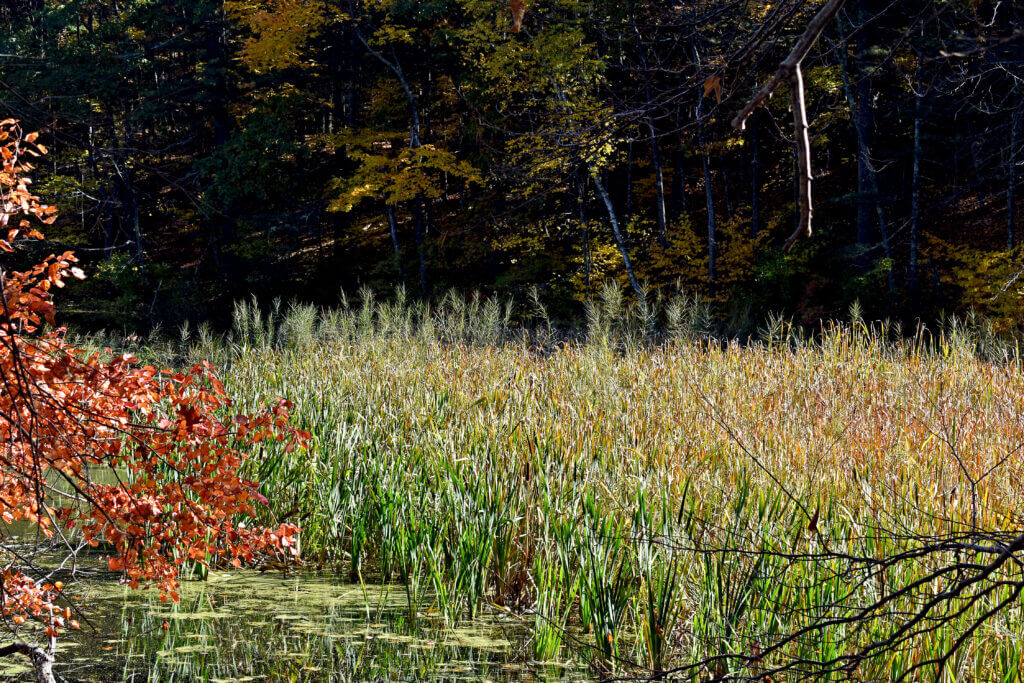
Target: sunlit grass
{"x": 592, "y": 480}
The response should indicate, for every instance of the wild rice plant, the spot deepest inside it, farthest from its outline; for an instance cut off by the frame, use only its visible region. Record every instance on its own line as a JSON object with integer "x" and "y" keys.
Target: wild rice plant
{"x": 481, "y": 456}
{"x": 550, "y": 616}
{"x": 608, "y": 578}
{"x": 660, "y": 567}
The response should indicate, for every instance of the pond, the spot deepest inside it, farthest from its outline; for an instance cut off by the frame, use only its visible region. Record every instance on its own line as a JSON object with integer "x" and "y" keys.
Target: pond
{"x": 251, "y": 626}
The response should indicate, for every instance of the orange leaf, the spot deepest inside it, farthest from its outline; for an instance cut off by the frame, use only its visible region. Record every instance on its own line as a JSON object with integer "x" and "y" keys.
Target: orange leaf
{"x": 714, "y": 85}
{"x": 518, "y": 12}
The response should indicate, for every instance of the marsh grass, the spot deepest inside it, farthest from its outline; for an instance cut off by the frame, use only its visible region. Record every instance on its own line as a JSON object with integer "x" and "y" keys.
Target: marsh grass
{"x": 603, "y": 480}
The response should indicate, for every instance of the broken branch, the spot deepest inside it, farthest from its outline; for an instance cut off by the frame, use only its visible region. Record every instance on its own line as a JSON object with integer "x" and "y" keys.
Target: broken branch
{"x": 789, "y": 71}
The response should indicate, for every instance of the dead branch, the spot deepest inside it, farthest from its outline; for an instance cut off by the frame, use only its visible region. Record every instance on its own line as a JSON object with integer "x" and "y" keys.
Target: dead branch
{"x": 789, "y": 72}
{"x": 803, "y": 158}
{"x": 41, "y": 659}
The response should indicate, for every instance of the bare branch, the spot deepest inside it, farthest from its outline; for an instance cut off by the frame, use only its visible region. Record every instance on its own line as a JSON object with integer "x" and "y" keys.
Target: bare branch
{"x": 790, "y": 72}
{"x": 803, "y": 159}
{"x": 789, "y": 66}
{"x": 41, "y": 659}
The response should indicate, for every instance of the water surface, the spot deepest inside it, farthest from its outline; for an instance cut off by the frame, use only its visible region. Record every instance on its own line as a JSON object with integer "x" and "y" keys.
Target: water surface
{"x": 251, "y": 626}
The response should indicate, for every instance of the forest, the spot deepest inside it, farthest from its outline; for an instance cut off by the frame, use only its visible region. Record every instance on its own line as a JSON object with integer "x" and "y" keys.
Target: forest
{"x": 205, "y": 151}
{"x": 519, "y": 340}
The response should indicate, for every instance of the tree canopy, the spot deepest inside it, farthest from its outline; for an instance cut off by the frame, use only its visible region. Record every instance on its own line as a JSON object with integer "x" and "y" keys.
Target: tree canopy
{"x": 208, "y": 150}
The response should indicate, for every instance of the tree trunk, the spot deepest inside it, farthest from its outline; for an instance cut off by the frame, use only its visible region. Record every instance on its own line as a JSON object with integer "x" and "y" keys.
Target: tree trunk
{"x": 1011, "y": 186}
{"x": 915, "y": 190}
{"x": 217, "y": 62}
{"x": 393, "y": 227}
{"x": 679, "y": 176}
{"x": 627, "y": 213}
{"x": 42, "y": 660}
{"x": 869, "y": 195}
{"x": 108, "y": 218}
{"x": 659, "y": 187}
{"x": 863, "y": 122}
{"x": 225, "y": 222}
{"x": 659, "y": 177}
{"x": 414, "y": 143}
{"x": 352, "y": 76}
{"x": 125, "y": 185}
{"x": 581, "y": 194}
{"x": 723, "y": 171}
{"x": 796, "y": 189}
{"x": 979, "y": 182}
{"x": 619, "y": 241}
{"x": 708, "y": 193}
{"x": 755, "y": 180}
{"x": 420, "y": 248}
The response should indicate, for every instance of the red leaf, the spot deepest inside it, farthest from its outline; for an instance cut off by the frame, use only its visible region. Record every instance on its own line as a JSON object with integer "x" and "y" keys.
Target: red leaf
{"x": 518, "y": 12}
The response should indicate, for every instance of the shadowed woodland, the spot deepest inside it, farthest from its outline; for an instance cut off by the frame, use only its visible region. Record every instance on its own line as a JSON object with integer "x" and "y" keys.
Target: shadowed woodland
{"x": 207, "y": 150}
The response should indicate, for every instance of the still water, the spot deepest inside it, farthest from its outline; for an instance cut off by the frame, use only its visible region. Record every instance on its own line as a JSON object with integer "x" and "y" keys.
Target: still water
{"x": 252, "y": 626}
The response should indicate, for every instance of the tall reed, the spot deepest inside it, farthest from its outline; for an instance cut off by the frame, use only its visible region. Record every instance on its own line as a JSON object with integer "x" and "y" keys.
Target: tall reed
{"x": 486, "y": 459}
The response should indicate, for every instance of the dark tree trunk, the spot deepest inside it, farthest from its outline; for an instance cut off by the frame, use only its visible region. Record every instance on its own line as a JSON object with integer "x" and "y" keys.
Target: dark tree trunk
{"x": 581, "y": 193}
{"x": 414, "y": 143}
{"x": 976, "y": 165}
{"x": 755, "y": 180}
{"x": 659, "y": 176}
{"x": 627, "y": 213}
{"x": 862, "y": 112}
{"x": 863, "y": 123}
{"x": 127, "y": 196}
{"x": 709, "y": 196}
{"x": 216, "y": 62}
{"x": 421, "y": 255}
{"x": 659, "y": 187}
{"x": 915, "y": 191}
{"x": 353, "y": 75}
{"x": 1011, "y": 181}
{"x": 393, "y": 228}
{"x": 225, "y": 220}
{"x": 679, "y": 206}
{"x": 722, "y": 170}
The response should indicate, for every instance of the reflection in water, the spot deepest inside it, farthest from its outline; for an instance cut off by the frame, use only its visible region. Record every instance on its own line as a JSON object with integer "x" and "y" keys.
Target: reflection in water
{"x": 248, "y": 626}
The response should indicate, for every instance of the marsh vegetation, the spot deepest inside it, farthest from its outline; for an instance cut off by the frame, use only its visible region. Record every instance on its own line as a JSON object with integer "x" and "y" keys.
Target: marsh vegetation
{"x": 641, "y": 497}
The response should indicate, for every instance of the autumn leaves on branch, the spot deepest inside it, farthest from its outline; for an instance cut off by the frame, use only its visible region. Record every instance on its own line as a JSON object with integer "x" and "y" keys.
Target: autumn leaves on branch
{"x": 166, "y": 439}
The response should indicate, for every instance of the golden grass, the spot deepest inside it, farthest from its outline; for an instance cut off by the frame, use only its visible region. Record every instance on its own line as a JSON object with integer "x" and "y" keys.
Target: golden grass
{"x": 600, "y": 480}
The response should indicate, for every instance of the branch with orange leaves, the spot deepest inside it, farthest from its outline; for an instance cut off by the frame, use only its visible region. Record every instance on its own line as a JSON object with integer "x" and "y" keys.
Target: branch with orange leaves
{"x": 176, "y": 461}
